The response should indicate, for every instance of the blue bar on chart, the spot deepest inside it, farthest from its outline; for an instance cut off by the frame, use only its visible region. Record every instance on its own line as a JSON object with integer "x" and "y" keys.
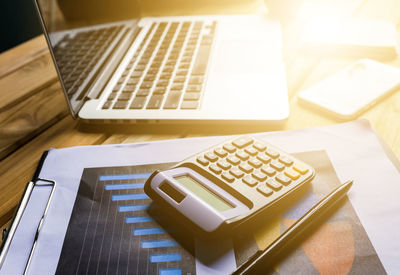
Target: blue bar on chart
{"x": 132, "y": 208}
{"x": 170, "y": 271}
{"x": 124, "y": 186}
{"x": 125, "y": 197}
{"x": 124, "y": 176}
{"x": 138, "y": 219}
{"x": 158, "y": 258}
{"x": 148, "y": 231}
{"x": 158, "y": 243}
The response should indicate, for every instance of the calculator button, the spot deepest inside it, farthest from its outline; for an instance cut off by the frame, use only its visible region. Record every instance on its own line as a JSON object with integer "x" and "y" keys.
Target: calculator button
{"x": 274, "y": 185}
{"x": 242, "y": 142}
{"x": 228, "y": 177}
{"x": 292, "y": 174}
{"x": 211, "y": 157}
{"x": 249, "y": 180}
{"x": 283, "y": 179}
{"x": 300, "y": 168}
{"x": 234, "y": 160}
{"x": 264, "y": 189}
{"x": 255, "y": 163}
{"x": 268, "y": 170}
{"x": 215, "y": 169}
{"x": 224, "y": 164}
{"x": 221, "y": 153}
{"x": 229, "y": 148}
{"x": 251, "y": 151}
{"x": 246, "y": 168}
{"x": 202, "y": 161}
{"x": 259, "y": 146}
{"x": 285, "y": 160}
{"x": 264, "y": 158}
{"x": 242, "y": 155}
{"x": 236, "y": 172}
{"x": 272, "y": 153}
{"x": 259, "y": 176}
{"x": 277, "y": 165}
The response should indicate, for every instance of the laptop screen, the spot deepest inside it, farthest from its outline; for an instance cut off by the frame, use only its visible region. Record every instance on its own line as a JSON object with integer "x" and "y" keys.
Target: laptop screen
{"x": 82, "y": 35}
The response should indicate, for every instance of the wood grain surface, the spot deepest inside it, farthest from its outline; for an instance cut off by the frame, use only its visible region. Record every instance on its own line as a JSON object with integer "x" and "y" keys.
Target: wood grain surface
{"x": 34, "y": 115}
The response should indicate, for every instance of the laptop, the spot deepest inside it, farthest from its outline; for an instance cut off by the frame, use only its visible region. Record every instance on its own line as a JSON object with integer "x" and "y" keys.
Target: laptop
{"x": 116, "y": 66}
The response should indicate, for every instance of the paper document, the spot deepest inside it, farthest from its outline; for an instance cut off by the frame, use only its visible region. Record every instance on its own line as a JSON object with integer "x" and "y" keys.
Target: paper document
{"x": 97, "y": 221}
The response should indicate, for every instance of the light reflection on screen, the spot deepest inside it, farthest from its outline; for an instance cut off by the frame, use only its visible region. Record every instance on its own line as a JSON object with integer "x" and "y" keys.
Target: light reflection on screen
{"x": 82, "y": 35}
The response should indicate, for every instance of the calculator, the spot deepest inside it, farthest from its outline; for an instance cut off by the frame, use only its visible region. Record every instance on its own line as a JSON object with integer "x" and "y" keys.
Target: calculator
{"x": 227, "y": 184}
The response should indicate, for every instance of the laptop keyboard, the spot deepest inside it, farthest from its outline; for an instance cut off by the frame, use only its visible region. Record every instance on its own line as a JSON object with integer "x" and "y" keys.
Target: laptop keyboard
{"x": 77, "y": 56}
{"x": 168, "y": 70}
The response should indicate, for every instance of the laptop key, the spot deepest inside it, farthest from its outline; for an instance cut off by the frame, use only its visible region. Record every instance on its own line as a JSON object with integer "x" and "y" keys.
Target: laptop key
{"x": 107, "y": 105}
{"x": 193, "y": 89}
{"x": 124, "y": 97}
{"x": 155, "y": 102}
{"x": 146, "y": 85}
{"x": 192, "y": 96}
{"x": 112, "y": 96}
{"x": 172, "y": 100}
{"x": 138, "y": 103}
{"x": 159, "y": 91}
{"x": 162, "y": 83}
{"x": 177, "y": 87}
{"x": 190, "y": 105}
{"x": 201, "y": 61}
{"x": 196, "y": 80}
{"x": 143, "y": 92}
{"x": 120, "y": 105}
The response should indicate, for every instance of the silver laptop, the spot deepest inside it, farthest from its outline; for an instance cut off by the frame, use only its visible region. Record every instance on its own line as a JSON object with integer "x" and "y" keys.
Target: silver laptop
{"x": 115, "y": 66}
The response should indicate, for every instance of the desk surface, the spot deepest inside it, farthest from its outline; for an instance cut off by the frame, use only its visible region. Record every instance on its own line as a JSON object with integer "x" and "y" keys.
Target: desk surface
{"x": 34, "y": 115}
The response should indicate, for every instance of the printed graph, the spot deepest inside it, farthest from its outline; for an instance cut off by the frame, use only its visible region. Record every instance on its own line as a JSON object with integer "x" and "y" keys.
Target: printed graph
{"x": 111, "y": 232}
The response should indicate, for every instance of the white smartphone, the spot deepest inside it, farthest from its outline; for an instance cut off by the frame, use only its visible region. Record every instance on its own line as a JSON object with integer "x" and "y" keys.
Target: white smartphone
{"x": 351, "y": 91}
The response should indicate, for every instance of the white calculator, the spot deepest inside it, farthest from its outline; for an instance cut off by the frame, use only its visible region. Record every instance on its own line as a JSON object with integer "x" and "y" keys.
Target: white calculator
{"x": 227, "y": 184}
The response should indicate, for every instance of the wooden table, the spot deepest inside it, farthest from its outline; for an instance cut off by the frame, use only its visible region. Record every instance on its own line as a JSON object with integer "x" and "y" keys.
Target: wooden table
{"x": 34, "y": 116}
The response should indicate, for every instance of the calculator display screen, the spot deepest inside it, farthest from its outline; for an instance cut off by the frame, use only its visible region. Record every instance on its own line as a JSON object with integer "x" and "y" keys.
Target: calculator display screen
{"x": 203, "y": 193}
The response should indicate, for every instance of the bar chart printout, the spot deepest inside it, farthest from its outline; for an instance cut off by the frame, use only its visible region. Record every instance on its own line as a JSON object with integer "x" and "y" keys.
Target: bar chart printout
{"x": 111, "y": 232}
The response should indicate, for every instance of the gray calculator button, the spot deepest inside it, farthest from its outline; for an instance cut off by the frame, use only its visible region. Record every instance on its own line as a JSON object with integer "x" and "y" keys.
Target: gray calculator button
{"x": 229, "y": 148}
{"x": 251, "y": 151}
{"x": 202, "y": 161}
{"x": 259, "y": 146}
{"x": 242, "y": 142}
{"x": 220, "y": 152}
{"x": 264, "y": 158}
{"x": 283, "y": 179}
{"x": 268, "y": 170}
{"x": 215, "y": 169}
{"x": 259, "y": 176}
{"x": 246, "y": 168}
{"x": 249, "y": 180}
{"x": 273, "y": 184}
{"x": 300, "y": 168}
{"x": 272, "y": 153}
{"x": 242, "y": 155}
{"x": 224, "y": 164}
{"x": 264, "y": 189}
{"x": 277, "y": 165}
{"x": 228, "y": 177}
{"x": 291, "y": 173}
{"x": 236, "y": 172}
{"x": 210, "y": 156}
{"x": 285, "y": 160}
{"x": 255, "y": 163}
{"x": 234, "y": 160}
